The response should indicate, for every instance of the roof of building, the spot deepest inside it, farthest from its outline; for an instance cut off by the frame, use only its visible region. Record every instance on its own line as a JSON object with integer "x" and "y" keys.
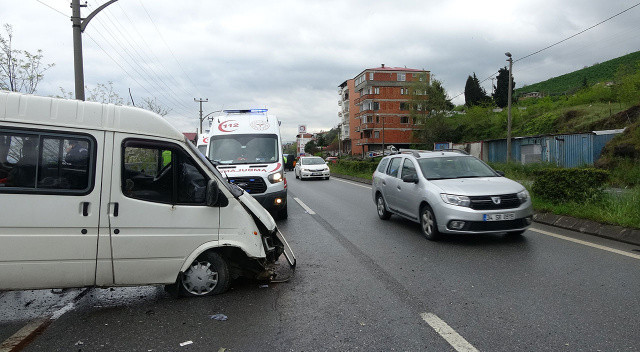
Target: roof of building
{"x": 190, "y": 135}
{"x": 386, "y": 68}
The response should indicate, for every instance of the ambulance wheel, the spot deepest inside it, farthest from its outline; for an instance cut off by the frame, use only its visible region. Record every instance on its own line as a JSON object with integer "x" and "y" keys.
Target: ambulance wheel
{"x": 207, "y": 275}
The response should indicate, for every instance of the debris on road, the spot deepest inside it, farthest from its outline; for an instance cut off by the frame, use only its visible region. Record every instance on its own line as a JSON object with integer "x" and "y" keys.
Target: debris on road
{"x": 263, "y": 286}
{"x": 182, "y": 344}
{"x": 79, "y": 343}
{"x": 219, "y": 317}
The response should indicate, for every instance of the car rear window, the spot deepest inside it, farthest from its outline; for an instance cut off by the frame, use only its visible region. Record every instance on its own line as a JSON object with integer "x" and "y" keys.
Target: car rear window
{"x": 383, "y": 165}
{"x": 394, "y": 166}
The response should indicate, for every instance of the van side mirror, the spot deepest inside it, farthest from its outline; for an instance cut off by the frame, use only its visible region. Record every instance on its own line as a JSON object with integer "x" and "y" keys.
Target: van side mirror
{"x": 501, "y": 173}
{"x": 212, "y": 193}
{"x": 411, "y": 178}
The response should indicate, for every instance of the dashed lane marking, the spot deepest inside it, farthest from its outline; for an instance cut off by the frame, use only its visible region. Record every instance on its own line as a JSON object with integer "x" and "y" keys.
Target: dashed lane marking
{"x": 304, "y": 206}
{"x": 604, "y": 248}
{"x": 451, "y": 336}
{"x": 352, "y": 183}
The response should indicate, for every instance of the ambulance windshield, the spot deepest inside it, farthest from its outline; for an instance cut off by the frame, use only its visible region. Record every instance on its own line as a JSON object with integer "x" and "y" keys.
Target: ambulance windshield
{"x": 244, "y": 149}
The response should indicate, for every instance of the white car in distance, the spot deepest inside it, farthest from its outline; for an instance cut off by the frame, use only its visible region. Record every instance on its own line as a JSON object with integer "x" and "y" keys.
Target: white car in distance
{"x": 311, "y": 167}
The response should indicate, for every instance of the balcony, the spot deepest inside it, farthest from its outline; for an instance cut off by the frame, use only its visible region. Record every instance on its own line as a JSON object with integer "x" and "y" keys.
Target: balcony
{"x": 340, "y": 102}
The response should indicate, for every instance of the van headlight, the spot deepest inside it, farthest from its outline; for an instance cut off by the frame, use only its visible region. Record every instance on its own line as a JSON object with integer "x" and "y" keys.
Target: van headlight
{"x": 454, "y": 199}
{"x": 523, "y": 196}
{"x": 275, "y": 177}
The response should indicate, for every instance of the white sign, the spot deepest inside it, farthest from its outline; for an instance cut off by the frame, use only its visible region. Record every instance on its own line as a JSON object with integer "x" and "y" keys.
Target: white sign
{"x": 302, "y": 128}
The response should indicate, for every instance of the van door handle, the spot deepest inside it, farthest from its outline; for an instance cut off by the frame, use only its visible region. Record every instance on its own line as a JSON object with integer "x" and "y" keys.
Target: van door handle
{"x": 85, "y": 208}
{"x": 116, "y": 208}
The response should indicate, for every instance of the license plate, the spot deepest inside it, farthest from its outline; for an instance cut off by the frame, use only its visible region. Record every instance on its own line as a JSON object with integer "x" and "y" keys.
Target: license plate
{"x": 498, "y": 217}
{"x": 316, "y": 174}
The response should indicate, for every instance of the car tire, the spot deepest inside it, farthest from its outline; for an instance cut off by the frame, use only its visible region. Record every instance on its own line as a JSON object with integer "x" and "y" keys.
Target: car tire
{"x": 515, "y": 233}
{"x": 207, "y": 275}
{"x": 381, "y": 206}
{"x": 296, "y": 175}
{"x": 428, "y": 224}
{"x": 326, "y": 178}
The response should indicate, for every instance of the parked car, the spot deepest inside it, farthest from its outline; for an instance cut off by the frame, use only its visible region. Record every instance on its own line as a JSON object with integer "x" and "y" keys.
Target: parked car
{"x": 450, "y": 192}
{"x": 332, "y": 159}
{"x": 311, "y": 167}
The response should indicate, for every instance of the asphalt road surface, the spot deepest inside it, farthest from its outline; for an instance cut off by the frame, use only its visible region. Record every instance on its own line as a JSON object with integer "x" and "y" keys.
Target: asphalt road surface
{"x": 363, "y": 284}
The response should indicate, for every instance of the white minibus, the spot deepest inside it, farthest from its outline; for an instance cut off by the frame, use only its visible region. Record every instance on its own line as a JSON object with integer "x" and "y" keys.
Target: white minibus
{"x": 102, "y": 195}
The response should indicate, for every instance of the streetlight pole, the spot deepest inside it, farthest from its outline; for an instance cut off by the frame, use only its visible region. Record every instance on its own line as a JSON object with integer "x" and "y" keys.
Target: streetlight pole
{"x": 79, "y": 24}
{"x": 200, "y": 100}
{"x": 509, "y": 106}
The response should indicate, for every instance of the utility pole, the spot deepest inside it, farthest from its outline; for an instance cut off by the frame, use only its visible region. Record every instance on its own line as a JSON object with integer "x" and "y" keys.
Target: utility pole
{"x": 200, "y": 100}
{"x": 509, "y": 106}
{"x": 79, "y": 24}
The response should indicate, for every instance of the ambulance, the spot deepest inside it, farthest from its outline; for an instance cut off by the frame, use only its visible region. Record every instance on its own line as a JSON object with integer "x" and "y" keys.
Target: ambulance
{"x": 202, "y": 142}
{"x": 246, "y": 147}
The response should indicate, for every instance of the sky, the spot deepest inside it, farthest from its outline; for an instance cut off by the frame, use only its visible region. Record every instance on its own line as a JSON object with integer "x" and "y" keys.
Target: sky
{"x": 291, "y": 56}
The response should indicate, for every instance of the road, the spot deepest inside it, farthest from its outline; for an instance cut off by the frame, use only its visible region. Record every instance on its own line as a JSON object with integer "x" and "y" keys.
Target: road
{"x": 372, "y": 285}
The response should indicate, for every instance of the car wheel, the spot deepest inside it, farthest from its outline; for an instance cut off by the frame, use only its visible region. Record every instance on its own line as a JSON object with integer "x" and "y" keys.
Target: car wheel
{"x": 515, "y": 233}
{"x": 383, "y": 213}
{"x": 428, "y": 223}
{"x": 326, "y": 178}
{"x": 296, "y": 174}
{"x": 207, "y": 275}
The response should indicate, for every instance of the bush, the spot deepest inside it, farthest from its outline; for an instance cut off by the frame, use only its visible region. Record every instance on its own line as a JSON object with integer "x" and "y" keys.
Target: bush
{"x": 575, "y": 184}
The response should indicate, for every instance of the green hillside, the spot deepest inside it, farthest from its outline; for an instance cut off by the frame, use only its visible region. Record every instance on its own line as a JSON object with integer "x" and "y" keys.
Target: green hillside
{"x": 570, "y": 82}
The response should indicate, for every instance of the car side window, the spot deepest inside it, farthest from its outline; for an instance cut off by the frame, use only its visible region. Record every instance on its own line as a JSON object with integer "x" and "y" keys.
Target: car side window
{"x": 394, "y": 167}
{"x": 383, "y": 165}
{"x": 161, "y": 173}
{"x": 46, "y": 162}
{"x": 408, "y": 168}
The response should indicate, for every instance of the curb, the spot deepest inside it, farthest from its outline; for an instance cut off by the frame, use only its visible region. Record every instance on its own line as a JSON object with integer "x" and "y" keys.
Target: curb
{"x": 613, "y": 232}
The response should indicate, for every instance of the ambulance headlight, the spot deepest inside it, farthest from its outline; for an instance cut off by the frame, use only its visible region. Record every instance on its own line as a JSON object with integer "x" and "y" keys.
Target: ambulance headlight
{"x": 276, "y": 177}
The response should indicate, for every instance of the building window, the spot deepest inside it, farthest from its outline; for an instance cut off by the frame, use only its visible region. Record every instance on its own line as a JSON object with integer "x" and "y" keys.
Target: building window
{"x": 402, "y": 77}
{"x": 404, "y": 119}
{"x": 371, "y": 76}
{"x": 376, "y": 90}
{"x": 376, "y": 105}
{"x": 377, "y": 119}
{"x": 403, "y": 106}
{"x": 376, "y": 134}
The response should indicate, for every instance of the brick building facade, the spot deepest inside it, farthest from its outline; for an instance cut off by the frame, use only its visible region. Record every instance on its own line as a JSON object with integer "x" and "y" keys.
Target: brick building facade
{"x": 379, "y": 108}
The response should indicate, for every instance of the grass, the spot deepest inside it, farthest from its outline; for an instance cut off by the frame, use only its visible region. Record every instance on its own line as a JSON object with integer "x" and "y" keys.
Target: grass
{"x": 615, "y": 209}
{"x": 340, "y": 168}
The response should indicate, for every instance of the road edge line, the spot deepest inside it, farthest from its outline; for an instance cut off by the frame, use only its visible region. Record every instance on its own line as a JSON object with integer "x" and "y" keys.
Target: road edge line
{"x": 586, "y": 243}
{"x": 304, "y": 206}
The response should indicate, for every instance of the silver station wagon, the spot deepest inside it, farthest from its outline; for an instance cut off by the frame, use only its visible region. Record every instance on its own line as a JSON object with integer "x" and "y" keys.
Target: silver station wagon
{"x": 450, "y": 192}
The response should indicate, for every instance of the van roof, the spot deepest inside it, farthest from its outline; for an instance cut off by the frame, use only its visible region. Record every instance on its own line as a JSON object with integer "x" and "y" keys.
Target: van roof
{"x": 47, "y": 111}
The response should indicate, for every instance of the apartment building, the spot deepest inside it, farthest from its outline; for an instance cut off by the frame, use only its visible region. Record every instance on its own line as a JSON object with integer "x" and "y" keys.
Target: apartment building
{"x": 347, "y": 113}
{"x": 378, "y": 108}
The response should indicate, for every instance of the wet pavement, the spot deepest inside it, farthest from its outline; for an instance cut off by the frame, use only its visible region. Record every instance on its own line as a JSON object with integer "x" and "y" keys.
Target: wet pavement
{"x": 367, "y": 284}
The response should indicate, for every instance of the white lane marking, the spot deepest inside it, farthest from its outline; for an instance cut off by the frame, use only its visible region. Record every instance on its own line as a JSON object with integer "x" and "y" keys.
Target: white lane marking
{"x": 27, "y": 331}
{"x": 304, "y": 206}
{"x": 604, "y": 248}
{"x": 351, "y": 183}
{"x": 453, "y": 338}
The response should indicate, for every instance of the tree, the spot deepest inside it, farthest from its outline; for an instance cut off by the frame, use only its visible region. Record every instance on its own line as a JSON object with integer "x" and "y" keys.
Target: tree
{"x": 501, "y": 91}
{"x": 310, "y": 147}
{"x": 153, "y": 105}
{"x": 474, "y": 94}
{"x": 20, "y": 70}
{"x": 429, "y": 108}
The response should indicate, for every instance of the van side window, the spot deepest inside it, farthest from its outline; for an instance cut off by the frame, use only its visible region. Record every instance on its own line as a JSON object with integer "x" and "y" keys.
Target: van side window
{"x": 43, "y": 162}
{"x": 161, "y": 173}
{"x": 394, "y": 166}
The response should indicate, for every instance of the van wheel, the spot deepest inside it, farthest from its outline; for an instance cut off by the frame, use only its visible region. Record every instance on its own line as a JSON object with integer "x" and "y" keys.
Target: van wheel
{"x": 428, "y": 223}
{"x": 207, "y": 275}
{"x": 383, "y": 213}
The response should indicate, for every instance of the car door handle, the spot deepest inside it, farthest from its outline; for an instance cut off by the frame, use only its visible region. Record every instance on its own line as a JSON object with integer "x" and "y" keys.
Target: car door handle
{"x": 85, "y": 208}
{"x": 384, "y": 183}
{"x": 399, "y": 188}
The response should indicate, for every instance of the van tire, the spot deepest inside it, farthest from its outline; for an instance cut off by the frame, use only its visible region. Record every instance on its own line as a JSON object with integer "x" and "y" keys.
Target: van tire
{"x": 428, "y": 224}
{"x": 209, "y": 265}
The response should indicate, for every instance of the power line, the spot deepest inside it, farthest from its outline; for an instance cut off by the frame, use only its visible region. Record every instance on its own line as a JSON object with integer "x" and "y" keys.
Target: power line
{"x": 559, "y": 42}
{"x": 167, "y": 45}
{"x": 54, "y": 9}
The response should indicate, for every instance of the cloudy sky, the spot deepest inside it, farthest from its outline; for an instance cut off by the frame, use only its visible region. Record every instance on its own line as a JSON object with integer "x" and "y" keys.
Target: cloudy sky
{"x": 290, "y": 56}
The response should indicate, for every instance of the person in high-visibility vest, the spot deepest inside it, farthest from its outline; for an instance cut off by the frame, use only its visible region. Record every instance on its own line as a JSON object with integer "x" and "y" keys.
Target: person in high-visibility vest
{"x": 166, "y": 157}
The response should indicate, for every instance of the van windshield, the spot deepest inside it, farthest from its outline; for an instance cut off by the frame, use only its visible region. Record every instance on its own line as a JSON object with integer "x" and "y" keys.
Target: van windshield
{"x": 244, "y": 149}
